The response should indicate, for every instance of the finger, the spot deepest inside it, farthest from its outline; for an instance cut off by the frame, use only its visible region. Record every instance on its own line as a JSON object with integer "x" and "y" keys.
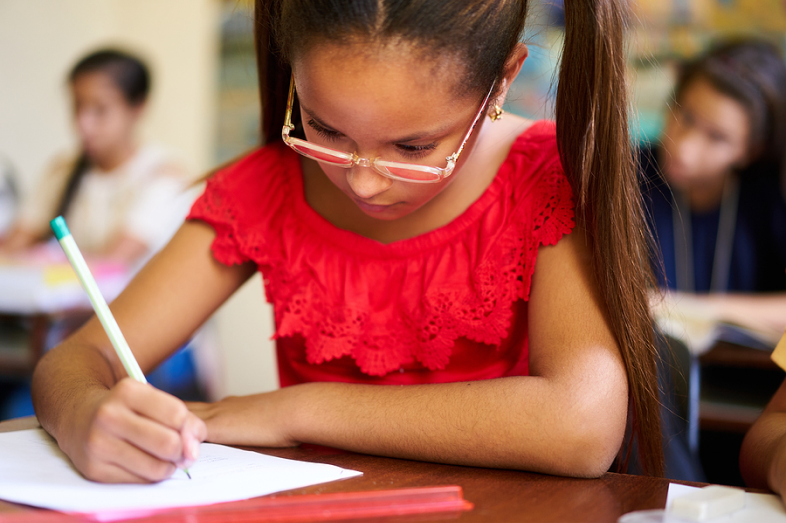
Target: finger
{"x": 113, "y": 460}
{"x": 120, "y": 422}
{"x": 141, "y": 464}
{"x": 152, "y": 403}
{"x": 111, "y": 473}
{"x": 193, "y": 433}
{"x": 150, "y": 436}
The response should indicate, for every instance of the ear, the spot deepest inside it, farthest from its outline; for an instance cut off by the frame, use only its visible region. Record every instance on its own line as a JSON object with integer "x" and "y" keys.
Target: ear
{"x": 511, "y": 71}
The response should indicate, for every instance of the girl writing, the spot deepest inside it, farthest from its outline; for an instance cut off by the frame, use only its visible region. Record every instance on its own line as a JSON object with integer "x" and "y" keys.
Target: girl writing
{"x": 446, "y": 287}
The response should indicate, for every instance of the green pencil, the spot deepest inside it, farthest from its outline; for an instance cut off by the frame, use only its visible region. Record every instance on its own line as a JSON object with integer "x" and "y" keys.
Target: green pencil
{"x": 74, "y": 256}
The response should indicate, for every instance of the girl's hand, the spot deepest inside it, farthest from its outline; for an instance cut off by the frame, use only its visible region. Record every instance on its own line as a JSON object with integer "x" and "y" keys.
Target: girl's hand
{"x": 134, "y": 433}
{"x": 259, "y": 420}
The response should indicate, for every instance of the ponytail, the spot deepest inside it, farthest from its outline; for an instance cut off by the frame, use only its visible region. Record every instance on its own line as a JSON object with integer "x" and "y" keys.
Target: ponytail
{"x": 594, "y": 147}
{"x": 273, "y": 73}
{"x": 78, "y": 171}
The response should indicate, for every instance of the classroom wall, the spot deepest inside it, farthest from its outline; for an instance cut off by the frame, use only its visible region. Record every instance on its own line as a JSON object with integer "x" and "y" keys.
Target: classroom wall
{"x": 244, "y": 328}
{"x": 39, "y": 42}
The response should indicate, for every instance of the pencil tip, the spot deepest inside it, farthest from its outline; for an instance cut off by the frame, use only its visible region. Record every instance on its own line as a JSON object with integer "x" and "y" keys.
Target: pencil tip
{"x": 187, "y": 473}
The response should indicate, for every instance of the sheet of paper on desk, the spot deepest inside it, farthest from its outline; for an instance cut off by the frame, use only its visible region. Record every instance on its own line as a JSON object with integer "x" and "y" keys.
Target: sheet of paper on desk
{"x": 759, "y": 508}
{"x": 33, "y": 471}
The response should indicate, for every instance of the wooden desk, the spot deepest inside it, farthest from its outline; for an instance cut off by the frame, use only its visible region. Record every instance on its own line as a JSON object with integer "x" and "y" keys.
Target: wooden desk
{"x": 498, "y": 495}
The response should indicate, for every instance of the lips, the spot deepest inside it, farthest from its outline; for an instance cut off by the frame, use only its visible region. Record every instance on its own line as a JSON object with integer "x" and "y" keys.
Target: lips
{"x": 370, "y": 208}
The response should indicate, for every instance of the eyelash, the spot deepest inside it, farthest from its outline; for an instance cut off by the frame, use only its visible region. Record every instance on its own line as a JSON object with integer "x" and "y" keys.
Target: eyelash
{"x": 410, "y": 151}
{"x": 416, "y": 151}
{"x": 327, "y": 134}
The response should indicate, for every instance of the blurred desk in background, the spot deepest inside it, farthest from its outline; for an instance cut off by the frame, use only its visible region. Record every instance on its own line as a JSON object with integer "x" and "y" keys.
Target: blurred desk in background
{"x": 42, "y": 301}
{"x": 736, "y": 384}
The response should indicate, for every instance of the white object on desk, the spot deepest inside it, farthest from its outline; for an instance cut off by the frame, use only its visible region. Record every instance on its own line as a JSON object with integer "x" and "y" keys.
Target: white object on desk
{"x": 759, "y": 508}
{"x": 708, "y": 503}
{"x": 34, "y": 471}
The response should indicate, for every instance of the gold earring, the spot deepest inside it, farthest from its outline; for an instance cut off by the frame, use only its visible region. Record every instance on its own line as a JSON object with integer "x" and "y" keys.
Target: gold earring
{"x": 496, "y": 114}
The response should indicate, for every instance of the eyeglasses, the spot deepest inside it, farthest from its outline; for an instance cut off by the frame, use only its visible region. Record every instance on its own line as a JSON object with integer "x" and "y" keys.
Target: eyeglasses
{"x": 405, "y": 172}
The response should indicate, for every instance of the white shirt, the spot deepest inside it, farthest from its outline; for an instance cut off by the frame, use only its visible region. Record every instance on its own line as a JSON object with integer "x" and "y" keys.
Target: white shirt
{"x": 146, "y": 197}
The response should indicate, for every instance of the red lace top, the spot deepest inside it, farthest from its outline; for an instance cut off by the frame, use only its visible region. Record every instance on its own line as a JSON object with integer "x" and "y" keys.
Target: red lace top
{"x": 448, "y": 305}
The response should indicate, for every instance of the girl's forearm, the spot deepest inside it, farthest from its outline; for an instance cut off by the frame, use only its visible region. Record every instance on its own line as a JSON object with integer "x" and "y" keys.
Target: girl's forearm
{"x": 521, "y": 422}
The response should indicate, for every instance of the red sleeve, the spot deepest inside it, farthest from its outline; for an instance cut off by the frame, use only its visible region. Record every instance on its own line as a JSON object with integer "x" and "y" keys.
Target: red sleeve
{"x": 241, "y": 203}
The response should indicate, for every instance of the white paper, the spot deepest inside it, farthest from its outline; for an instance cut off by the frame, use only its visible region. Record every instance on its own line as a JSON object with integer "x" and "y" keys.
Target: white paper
{"x": 759, "y": 508}
{"x": 34, "y": 471}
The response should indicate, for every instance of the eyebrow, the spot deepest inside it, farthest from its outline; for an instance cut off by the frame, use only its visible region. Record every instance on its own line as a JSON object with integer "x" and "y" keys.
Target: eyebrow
{"x": 709, "y": 125}
{"x": 435, "y": 134}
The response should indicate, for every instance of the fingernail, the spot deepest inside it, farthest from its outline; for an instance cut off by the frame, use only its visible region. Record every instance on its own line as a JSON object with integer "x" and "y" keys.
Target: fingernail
{"x": 192, "y": 449}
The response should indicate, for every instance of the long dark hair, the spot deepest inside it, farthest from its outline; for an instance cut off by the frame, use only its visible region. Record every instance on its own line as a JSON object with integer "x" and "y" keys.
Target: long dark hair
{"x": 752, "y": 72}
{"x": 132, "y": 78}
{"x": 592, "y": 133}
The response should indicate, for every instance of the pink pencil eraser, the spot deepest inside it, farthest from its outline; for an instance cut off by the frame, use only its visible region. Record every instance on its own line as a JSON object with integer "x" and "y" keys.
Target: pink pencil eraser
{"x": 708, "y": 503}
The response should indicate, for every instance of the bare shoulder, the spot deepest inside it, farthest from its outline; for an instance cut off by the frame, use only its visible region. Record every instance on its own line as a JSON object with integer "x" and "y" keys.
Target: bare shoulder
{"x": 567, "y": 310}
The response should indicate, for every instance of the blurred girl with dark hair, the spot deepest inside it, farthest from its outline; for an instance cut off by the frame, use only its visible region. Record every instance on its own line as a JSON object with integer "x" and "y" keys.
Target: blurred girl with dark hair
{"x": 122, "y": 199}
{"x": 715, "y": 186}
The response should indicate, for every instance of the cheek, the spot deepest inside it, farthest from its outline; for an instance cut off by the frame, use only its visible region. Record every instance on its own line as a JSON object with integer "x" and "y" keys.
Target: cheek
{"x": 337, "y": 175}
{"x": 716, "y": 161}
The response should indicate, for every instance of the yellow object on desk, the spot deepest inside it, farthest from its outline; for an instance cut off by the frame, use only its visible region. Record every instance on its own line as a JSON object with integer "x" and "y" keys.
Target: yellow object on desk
{"x": 779, "y": 354}
{"x": 58, "y": 274}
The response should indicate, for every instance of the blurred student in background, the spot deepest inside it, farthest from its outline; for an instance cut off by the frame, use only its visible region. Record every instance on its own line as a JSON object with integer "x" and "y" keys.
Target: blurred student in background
{"x": 715, "y": 185}
{"x": 712, "y": 187}
{"x": 122, "y": 199}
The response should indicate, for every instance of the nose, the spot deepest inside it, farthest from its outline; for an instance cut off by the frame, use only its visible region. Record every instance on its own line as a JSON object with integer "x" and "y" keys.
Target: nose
{"x": 366, "y": 183}
{"x": 85, "y": 124}
{"x": 688, "y": 146}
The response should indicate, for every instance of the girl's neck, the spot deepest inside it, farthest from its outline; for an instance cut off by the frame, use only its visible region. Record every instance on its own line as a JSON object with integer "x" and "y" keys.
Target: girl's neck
{"x": 706, "y": 197}
{"x": 117, "y": 157}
